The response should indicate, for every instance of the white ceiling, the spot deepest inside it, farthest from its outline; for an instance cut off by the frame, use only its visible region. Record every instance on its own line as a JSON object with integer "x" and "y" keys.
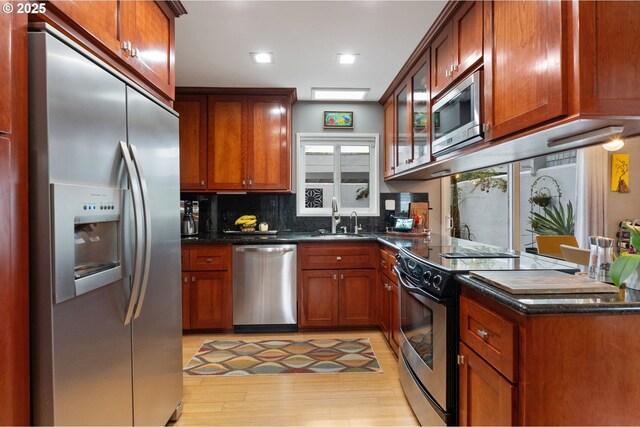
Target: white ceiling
{"x": 214, "y": 39}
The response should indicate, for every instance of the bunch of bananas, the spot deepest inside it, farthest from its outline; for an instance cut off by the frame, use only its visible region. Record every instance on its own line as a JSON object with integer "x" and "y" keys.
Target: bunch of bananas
{"x": 247, "y": 222}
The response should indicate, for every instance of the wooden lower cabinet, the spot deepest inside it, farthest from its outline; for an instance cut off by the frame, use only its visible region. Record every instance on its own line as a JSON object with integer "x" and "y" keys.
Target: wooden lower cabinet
{"x": 356, "y": 303}
{"x": 318, "y": 299}
{"x": 394, "y": 324}
{"x": 211, "y": 300}
{"x": 382, "y": 300}
{"x": 387, "y": 301}
{"x": 547, "y": 369}
{"x": 486, "y": 397}
{"x": 337, "y": 285}
{"x": 337, "y": 298}
{"x": 206, "y": 287}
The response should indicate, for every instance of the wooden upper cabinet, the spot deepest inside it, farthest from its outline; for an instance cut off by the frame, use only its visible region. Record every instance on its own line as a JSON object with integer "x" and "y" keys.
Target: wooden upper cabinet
{"x": 441, "y": 60}
{"x": 458, "y": 47}
{"x": 5, "y": 73}
{"x": 390, "y": 145}
{"x": 98, "y": 18}
{"x": 149, "y": 27}
{"x": 268, "y": 147}
{"x": 193, "y": 141}
{"x": 226, "y": 159}
{"x": 526, "y": 89}
{"x": 467, "y": 36}
{"x": 139, "y": 33}
{"x": 609, "y": 57}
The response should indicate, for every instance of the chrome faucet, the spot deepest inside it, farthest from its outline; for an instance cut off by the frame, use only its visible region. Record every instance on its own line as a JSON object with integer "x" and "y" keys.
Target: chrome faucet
{"x": 355, "y": 226}
{"x": 335, "y": 216}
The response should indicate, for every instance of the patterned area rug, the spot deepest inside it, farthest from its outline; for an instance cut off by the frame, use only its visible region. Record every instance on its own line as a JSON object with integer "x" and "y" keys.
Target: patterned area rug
{"x": 315, "y": 356}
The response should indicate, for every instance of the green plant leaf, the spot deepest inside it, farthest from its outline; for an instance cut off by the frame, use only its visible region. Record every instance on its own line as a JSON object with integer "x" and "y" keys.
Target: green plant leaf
{"x": 623, "y": 267}
{"x": 635, "y": 241}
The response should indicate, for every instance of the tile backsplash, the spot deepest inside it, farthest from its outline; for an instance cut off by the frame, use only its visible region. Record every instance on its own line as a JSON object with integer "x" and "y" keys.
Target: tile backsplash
{"x": 218, "y": 212}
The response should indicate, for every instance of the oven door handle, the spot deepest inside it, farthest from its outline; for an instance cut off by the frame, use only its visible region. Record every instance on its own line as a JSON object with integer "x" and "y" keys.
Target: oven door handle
{"x": 415, "y": 290}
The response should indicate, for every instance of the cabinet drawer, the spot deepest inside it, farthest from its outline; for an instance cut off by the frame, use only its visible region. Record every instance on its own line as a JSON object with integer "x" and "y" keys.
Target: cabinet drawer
{"x": 490, "y": 335}
{"x": 387, "y": 261}
{"x": 210, "y": 258}
{"x": 321, "y": 256}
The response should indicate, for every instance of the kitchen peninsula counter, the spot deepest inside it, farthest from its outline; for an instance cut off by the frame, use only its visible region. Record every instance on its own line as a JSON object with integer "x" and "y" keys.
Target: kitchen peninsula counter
{"x": 626, "y": 301}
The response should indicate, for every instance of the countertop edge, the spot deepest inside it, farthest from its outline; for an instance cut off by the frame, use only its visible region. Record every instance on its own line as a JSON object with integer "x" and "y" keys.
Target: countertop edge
{"x": 512, "y": 302}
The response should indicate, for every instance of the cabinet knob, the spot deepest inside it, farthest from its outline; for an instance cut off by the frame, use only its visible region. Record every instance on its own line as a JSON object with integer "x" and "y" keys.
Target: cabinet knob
{"x": 126, "y": 46}
{"x": 193, "y": 278}
{"x": 335, "y": 277}
{"x": 244, "y": 182}
{"x": 338, "y": 258}
{"x": 201, "y": 183}
{"x": 134, "y": 52}
{"x": 447, "y": 73}
{"x": 250, "y": 182}
{"x": 486, "y": 127}
{"x": 185, "y": 280}
{"x": 341, "y": 276}
{"x": 454, "y": 68}
{"x": 483, "y": 334}
{"x": 209, "y": 260}
{"x": 460, "y": 359}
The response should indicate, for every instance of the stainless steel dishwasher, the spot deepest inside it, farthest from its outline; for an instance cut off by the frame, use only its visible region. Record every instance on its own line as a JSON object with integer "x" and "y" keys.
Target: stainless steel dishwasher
{"x": 264, "y": 288}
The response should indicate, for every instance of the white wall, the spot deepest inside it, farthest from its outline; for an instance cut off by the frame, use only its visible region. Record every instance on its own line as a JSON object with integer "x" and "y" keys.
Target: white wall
{"x": 625, "y": 205}
{"x": 486, "y": 214}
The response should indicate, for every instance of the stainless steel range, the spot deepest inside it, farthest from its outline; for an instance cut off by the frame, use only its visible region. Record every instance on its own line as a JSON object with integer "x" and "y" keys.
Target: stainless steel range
{"x": 429, "y": 316}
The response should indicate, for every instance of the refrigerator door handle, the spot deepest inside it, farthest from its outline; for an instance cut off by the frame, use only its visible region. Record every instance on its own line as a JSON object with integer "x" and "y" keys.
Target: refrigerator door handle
{"x": 147, "y": 230}
{"x": 137, "y": 264}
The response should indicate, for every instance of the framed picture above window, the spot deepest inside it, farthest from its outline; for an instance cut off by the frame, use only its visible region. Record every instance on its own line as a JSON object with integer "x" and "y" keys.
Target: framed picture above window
{"x": 338, "y": 119}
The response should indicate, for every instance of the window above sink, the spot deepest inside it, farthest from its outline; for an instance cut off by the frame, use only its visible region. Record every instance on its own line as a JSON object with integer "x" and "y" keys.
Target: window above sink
{"x": 340, "y": 165}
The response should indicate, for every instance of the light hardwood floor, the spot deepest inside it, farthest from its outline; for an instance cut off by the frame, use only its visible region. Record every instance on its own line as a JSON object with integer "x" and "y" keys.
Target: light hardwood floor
{"x": 290, "y": 399}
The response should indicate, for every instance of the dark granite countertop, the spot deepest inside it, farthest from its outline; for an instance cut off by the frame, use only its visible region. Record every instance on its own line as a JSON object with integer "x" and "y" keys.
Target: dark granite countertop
{"x": 626, "y": 301}
{"x": 393, "y": 241}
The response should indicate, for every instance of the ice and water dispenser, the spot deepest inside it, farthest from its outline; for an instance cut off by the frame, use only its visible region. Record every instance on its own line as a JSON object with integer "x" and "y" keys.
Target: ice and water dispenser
{"x": 87, "y": 238}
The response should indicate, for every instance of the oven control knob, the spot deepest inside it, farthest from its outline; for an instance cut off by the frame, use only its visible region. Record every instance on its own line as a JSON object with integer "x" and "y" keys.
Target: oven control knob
{"x": 427, "y": 276}
{"x": 437, "y": 281}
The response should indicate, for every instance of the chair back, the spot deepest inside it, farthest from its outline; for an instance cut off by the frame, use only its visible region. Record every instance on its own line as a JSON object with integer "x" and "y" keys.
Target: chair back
{"x": 550, "y": 245}
{"x": 575, "y": 255}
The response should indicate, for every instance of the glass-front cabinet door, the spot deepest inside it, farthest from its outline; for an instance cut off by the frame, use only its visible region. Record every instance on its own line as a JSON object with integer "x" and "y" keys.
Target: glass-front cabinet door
{"x": 420, "y": 119}
{"x": 403, "y": 137}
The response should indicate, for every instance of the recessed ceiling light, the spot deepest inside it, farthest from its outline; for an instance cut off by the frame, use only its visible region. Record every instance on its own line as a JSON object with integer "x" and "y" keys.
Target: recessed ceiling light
{"x": 347, "y": 58}
{"x": 342, "y": 94}
{"x": 262, "y": 57}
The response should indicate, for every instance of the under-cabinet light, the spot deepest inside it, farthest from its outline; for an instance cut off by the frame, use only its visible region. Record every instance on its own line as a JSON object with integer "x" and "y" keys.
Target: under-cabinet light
{"x": 598, "y": 135}
{"x": 613, "y": 145}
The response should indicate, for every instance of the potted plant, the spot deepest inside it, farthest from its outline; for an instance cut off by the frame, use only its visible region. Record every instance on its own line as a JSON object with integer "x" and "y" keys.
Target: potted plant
{"x": 626, "y": 268}
{"x": 555, "y": 221}
{"x": 540, "y": 199}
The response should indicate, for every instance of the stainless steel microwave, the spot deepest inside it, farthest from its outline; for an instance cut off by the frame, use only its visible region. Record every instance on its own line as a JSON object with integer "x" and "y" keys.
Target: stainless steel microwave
{"x": 456, "y": 117}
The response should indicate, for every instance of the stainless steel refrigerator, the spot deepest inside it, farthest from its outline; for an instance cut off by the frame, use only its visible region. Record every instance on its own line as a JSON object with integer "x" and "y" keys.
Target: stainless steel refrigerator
{"x": 105, "y": 243}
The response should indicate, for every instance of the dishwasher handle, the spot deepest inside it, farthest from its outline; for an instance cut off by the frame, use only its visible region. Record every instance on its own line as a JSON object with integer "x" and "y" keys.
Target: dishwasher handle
{"x": 268, "y": 249}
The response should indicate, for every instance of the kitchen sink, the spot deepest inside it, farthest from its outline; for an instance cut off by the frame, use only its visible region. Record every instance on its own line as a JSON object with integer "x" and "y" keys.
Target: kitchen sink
{"x": 336, "y": 236}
